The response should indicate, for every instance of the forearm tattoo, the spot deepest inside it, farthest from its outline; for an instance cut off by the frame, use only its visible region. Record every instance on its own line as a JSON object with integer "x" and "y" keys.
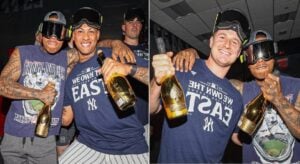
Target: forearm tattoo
{"x": 15, "y": 90}
{"x": 290, "y": 115}
{"x": 142, "y": 74}
{"x": 10, "y": 75}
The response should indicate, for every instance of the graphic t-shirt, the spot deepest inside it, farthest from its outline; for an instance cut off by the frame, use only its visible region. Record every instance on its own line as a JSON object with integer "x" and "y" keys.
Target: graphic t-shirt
{"x": 140, "y": 89}
{"x": 38, "y": 68}
{"x": 214, "y": 107}
{"x": 101, "y": 125}
{"x": 272, "y": 142}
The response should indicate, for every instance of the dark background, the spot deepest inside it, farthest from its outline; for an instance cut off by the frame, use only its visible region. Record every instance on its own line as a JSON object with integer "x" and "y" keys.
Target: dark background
{"x": 20, "y": 18}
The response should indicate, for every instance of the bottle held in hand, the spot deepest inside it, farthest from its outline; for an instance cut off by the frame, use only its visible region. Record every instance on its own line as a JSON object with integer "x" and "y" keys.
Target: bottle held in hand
{"x": 173, "y": 98}
{"x": 119, "y": 88}
{"x": 44, "y": 118}
{"x": 171, "y": 91}
{"x": 254, "y": 112}
{"x": 43, "y": 121}
{"x": 253, "y": 115}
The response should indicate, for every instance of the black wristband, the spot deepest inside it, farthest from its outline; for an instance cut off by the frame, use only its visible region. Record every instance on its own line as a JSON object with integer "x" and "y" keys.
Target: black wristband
{"x": 133, "y": 70}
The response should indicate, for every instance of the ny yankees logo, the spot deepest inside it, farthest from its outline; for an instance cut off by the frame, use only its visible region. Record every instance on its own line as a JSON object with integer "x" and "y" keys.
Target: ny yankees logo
{"x": 92, "y": 104}
{"x": 208, "y": 124}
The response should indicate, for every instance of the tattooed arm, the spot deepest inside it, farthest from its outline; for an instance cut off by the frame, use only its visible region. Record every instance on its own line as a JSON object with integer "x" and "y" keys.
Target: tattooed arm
{"x": 111, "y": 66}
{"x": 12, "y": 89}
{"x": 73, "y": 58}
{"x": 289, "y": 113}
{"x": 140, "y": 73}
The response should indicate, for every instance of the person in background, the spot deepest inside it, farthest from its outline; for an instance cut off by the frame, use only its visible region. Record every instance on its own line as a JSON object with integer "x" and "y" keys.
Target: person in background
{"x": 105, "y": 135}
{"x": 133, "y": 28}
{"x": 210, "y": 121}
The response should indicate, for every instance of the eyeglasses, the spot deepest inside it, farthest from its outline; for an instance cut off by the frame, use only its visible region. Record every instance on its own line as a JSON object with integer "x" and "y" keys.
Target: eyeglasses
{"x": 87, "y": 15}
{"x": 260, "y": 50}
{"x": 53, "y": 29}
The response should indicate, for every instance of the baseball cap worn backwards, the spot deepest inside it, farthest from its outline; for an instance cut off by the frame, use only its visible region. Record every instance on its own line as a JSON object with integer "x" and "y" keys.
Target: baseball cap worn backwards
{"x": 87, "y": 15}
{"x": 55, "y": 27}
{"x": 234, "y": 20}
{"x": 60, "y": 17}
{"x": 252, "y": 39}
{"x": 132, "y": 13}
{"x": 259, "y": 49}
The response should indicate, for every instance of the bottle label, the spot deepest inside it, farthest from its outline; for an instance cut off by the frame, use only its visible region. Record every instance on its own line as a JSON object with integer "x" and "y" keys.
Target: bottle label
{"x": 120, "y": 102}
{"x": 176, "y": 98}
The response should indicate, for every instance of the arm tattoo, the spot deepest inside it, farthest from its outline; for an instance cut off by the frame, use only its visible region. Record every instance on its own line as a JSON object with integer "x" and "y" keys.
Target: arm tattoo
{"x": 9, "y": 86}
{"x": 297, "y": 103}
{"x": 142, "y": 74}
{"x": 290, "y": 115}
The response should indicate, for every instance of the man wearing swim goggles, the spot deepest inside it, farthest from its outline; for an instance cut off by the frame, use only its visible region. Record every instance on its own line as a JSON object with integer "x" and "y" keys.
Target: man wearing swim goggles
{"x": 103, "y": 132}
{"x": 234, "y": 20}
{"x": 229, "y": 19}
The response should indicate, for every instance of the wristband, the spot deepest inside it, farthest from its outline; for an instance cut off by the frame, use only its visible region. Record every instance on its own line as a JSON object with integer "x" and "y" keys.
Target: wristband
{"x": 133, "y": 70}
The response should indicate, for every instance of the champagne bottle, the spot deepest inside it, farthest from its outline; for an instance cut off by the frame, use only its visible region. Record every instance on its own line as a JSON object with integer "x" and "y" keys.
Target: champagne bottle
{"x": 253, "y": 115}
{"x": 119, "y": 88}
{"x": 43, "y": 121}
{"x": 254, "y": 112}
{"x": 171, "y": 91}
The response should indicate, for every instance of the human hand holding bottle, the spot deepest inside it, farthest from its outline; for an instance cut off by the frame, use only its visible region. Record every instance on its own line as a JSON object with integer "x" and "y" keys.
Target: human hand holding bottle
{"x": 118, "y": 86}
{"x": 48, "y": 94}
{"x": 163, "y": 66}
{"x": 111, "y": 67}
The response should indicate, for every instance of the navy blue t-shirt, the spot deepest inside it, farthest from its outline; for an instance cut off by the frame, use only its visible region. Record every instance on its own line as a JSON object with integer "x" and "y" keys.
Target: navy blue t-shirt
{"x": 141, "y": 90}
{"x": 37, "y": 69}
{"x": 272, "y": 142}
{"x": 98, "y": 122}
{"x": 214, "y": 107}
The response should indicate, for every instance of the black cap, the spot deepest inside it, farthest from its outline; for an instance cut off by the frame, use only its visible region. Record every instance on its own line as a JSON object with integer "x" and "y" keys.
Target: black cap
{"x": 87, "y": 15}
{"x": 234, "y": 20}
{"x": 132, "y": 13}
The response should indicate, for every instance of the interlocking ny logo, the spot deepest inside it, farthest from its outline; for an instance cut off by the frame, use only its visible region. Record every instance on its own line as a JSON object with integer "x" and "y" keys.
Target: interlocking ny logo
{"x": 92, "y": 104}
{"x": 208, "y": 124}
